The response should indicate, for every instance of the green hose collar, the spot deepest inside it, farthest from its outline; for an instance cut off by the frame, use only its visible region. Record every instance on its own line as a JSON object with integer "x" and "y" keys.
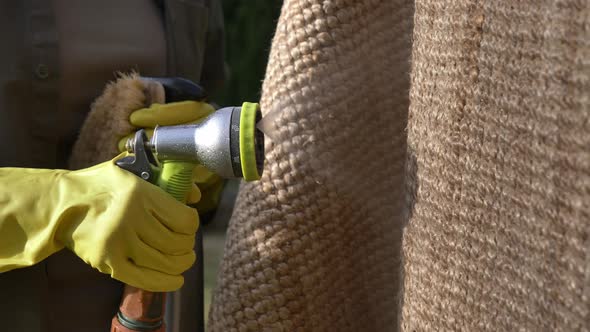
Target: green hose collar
{"x": 247, "y": 141}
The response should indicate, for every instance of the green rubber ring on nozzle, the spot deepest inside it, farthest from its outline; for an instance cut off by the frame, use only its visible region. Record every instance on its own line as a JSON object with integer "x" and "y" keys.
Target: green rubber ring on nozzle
{"x": 247, "y": 141}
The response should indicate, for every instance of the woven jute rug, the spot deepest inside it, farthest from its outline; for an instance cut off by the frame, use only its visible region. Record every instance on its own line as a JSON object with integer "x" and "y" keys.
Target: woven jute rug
{"x": 499, "y": 167}
{"x": 493, "y": 185}
{"x": 315, "y": 245}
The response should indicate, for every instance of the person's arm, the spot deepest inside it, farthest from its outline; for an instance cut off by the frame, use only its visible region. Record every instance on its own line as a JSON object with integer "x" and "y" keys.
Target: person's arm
{"x": 116, "y": 222}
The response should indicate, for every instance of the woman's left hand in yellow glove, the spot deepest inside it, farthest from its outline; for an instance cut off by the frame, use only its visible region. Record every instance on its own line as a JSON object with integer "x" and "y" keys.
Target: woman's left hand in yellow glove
{"x": 177, "y": 113}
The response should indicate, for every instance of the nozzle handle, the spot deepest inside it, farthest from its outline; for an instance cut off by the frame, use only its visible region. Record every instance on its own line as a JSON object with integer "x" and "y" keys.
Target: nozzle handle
{"x": 141, "y": 310}
{"x": 176, "y": 178}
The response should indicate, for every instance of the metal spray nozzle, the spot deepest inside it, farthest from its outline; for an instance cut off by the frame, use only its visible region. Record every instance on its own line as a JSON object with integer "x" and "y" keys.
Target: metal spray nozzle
{"x": 227, "y": 142}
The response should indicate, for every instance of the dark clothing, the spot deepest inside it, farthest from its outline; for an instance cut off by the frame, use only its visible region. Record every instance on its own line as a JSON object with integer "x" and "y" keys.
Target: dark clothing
{"x": 56, "y": 58}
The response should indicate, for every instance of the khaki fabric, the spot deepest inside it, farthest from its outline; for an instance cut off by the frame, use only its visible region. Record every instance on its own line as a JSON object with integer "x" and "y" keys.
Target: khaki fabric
{"x": 62, "y": 54}
{"x": 499, "y": 163}
{"x": 494, "y": 184}
{"x": 314, "y": 245}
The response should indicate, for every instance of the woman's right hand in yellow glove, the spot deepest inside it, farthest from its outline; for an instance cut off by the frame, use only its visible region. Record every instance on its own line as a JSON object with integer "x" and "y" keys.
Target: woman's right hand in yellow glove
{"x": 112, "y": 219}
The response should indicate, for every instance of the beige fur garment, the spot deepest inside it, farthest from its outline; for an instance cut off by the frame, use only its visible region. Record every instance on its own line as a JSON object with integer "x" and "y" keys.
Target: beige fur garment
{"x": 493, "y": 187}
{"x": 108, "y": 119}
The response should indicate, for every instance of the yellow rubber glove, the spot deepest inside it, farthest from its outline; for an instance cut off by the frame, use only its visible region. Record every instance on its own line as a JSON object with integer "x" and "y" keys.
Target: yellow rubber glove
{"x": 177, "y": 113}
{"x": 112, "y": 219}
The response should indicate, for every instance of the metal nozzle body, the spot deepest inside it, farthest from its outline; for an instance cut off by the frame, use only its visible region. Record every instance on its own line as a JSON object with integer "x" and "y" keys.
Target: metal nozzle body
{"x": 207, "y": 143}
{"x": 226, "y": 142}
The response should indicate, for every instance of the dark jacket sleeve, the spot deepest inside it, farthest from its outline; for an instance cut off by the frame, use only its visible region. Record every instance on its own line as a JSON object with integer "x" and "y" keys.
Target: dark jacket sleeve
{"x": 195, "y": 36}
{"x": 214, "y": 73}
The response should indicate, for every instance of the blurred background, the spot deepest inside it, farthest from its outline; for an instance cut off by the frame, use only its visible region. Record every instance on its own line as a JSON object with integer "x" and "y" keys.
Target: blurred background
{"x": 249, "y": 27}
